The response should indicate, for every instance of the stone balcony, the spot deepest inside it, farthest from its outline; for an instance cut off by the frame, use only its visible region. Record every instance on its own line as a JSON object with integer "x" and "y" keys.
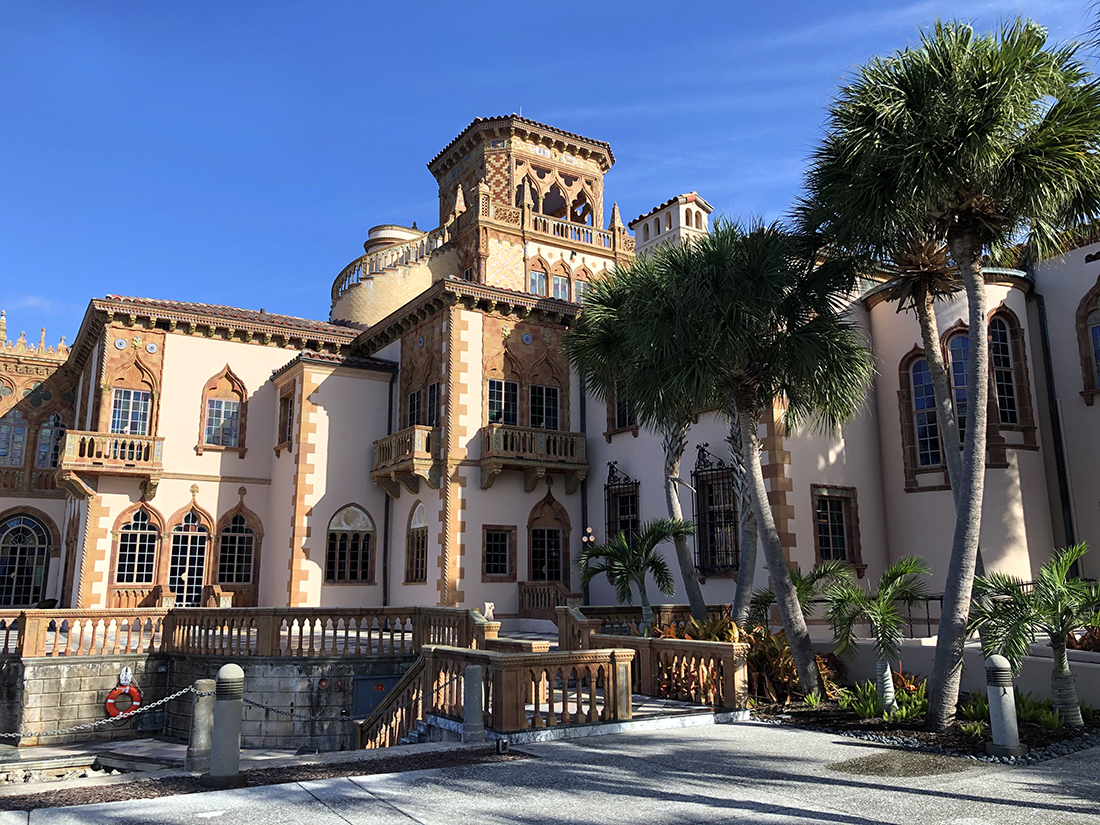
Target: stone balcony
{"x": 534, "y": 452}
{"x": 405, "y": 458}
{"x": 109, "y": 454}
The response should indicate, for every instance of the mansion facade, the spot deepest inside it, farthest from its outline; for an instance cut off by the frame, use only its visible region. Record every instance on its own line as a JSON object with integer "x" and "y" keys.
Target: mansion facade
{"x": 429, "y": 444}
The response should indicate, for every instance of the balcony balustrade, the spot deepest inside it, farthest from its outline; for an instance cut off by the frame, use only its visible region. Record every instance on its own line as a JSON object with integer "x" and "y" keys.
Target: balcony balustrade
{"x": 405, "y": 458}
{"x": 110, "y": 454}
{"x": 535, "y": 452}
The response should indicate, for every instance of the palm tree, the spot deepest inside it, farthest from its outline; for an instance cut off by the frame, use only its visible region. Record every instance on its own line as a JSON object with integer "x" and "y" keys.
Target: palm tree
{"x": 1011, "y": 615}
{"x": 809, "y": 587}
{"x": 617, "y": 345}
{"x": 850, "y": 604}
{"x": 628, "y": 563}
{"x": 978, "y": 141}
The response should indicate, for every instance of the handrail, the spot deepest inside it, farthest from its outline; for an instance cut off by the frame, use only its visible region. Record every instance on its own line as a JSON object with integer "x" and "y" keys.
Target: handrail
{"x": 234, "y": 631}
{"x": 396, "y": 714}
{"x": 391, "y": 256}
{"x": 533, "y": 444}
{"x": 417, "y": 442}
{"x": 540, "y": 600}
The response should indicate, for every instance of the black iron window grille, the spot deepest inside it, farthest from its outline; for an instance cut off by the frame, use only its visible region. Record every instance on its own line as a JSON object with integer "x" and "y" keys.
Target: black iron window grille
{"x": 621, "y": 504}
{"x": 714, "y": 506}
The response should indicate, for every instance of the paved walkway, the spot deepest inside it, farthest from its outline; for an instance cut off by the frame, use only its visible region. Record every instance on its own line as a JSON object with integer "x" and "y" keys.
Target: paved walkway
{"x": 745, "y": 773}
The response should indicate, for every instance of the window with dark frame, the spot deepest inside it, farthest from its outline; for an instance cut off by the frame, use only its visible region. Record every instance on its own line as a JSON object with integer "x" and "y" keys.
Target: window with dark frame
{"x": 538, "y": 284}
{"x": 544, "y": 407}
{"x": 924, "y": 416}
{"x": 621, "y": 504}
{"x": 545, "y": 554}
{"x": 503, "y": 402}
{"x": 24, "y": 560}
{"x": 348, "y": 558}
{"x": 416, "y": 555}
{"x": 561, "y": 287}
{"x": 433, "y": 405}
{"x": 497, "y": 549}
{"x": 286, "y": 419}
{"x": 832, "y": 528}
{"x": 624, "y": 413}
{"x": 959, "y": 350}
{"x": 1004, "y": 377}
{"x": 716, "y": 516}
{"x": 413, "y": 411}
{"x": 235, "y": 545}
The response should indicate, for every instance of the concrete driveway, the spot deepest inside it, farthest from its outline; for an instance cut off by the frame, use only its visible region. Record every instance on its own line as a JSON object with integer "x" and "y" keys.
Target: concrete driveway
{"x": 742, "y": 772}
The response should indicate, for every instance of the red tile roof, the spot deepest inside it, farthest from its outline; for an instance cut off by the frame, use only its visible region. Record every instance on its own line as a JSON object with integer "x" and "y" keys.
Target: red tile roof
{"x": 244, "y": 318}
{"x": 356, "y": 361}
{"x": 519, "y": 119}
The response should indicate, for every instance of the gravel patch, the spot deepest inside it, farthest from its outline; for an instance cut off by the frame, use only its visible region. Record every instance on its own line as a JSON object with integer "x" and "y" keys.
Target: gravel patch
{"x": 172, "y": 785}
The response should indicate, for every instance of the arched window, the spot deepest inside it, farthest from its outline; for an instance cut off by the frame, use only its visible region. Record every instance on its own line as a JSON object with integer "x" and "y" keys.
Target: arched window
{"x": 656, "y": 227}
{"x": 137, "y": 550}
{"x": 236, "y": 545}
{"x": 1000, "y": 359}
{"x": 668, "y": 221}
{"x": 929, "y": 453}
{"x": 24, "y": 560}
{"x": 1093, "y": 323}
{"x": 50, "y": 436}
{"x": 223, "y": 413}
{"x": 13, "y": 439}
{"x": 548, "y": 541}
{"x": 581, "y": 209}
{"x": 645, "y": 232}
{"x": 958, "y": 349}
{"x": 698, "y": 219}
{"x": 187, "y": 566}
{"x": 416, "y": 547}
{"x": 350, "y": 545}
{"x": 554, "y": 204}
{"x": 540, "y": 278}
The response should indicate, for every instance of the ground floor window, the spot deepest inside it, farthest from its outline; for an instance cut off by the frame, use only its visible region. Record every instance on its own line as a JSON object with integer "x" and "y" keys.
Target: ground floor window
{"x": 137, "y": 550}
{"x": 416, "y": 548}
{"x": 545, "y": 554}
{"x": 235, "y": 546}
{"x": 716, "y": 517}
{"x": 836, "y": 524}
{"x": 24, "y": 560}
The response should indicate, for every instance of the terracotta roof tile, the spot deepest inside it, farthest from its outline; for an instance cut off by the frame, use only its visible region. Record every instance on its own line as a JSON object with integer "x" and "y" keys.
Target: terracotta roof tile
{"x": 529, "y": 122}
{"x": 243, "y": 316}
{"x": 355, "y": 361}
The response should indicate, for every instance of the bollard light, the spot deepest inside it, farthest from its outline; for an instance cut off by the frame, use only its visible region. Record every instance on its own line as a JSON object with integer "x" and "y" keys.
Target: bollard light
{"x": 1002, "y": 709}
{"x": 225, "y": 747}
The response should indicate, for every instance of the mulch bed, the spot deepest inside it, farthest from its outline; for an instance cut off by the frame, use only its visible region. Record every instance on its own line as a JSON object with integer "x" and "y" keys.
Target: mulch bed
{"x": 172, "y": 785}
{"x": 831, "y": 716}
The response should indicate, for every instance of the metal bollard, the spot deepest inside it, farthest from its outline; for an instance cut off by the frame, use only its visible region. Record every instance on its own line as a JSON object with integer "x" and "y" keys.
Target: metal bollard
{"x": 202, "y": 726}
{"x": 473, "y": 716}
{"x": 1002, "y": 709}
{"x": 225, "y": 747}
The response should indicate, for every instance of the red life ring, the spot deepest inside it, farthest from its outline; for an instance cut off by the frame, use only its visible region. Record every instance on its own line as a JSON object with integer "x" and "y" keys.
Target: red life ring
{"x": 132, "y": 691}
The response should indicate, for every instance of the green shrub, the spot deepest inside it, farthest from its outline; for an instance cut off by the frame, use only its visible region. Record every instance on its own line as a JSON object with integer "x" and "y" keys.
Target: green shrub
{"x": 973, "y": 729}
{"x": 865, "y": 702}
{"x": 1087, "y": 712}
{"x": 975, "y": 707}
{"x": 813, "y": 700}
{"x": 1052, "y": 720}
{"x": 1031, "y": 710}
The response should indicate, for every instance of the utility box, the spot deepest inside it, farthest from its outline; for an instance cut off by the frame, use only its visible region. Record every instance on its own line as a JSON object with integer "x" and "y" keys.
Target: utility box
{"x": 369, "y": 691}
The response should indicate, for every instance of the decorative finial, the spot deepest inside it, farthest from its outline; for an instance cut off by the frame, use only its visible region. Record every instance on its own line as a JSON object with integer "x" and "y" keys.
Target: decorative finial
{"x": 242, "y": 491}
{"x": 414, "y": 226}
{"x": 616, "y": 219}
{"x": 460, "y": 202}
{"x": 194, "y": 490}
{"x": 3, "y": 327}
{"x": 42, "y": 341}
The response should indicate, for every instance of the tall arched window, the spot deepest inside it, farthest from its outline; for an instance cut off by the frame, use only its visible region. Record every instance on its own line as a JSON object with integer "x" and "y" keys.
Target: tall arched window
{"x": 645, "y": 232}
{"x": 223, "y": 414}
{"x": 929, "y": 453}
{"x": 350, "y": 555}
{"x": 656, "y": 227}
{"x": 187, "y": 566}
{"x": 236, "y": 545}
{"x": 958, "y": 349}
{"x": 50, "y": 436}
{"x": 416, "y": 547}
{"x": 137, "y": 550}
{"x": 24, "y": 560}
{"x": 1000, "y": 359}
{"x": 548, "y": 541}
{"x": 668, "y": 221}
{"x": 13, "y": 439}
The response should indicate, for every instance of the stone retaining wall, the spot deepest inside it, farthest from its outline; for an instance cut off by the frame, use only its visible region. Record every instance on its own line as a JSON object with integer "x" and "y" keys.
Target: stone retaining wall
{"x": 51, "y": 693}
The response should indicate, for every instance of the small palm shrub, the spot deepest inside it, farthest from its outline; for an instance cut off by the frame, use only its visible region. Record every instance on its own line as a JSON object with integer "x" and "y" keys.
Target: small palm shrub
{"x": 975, "y": 707}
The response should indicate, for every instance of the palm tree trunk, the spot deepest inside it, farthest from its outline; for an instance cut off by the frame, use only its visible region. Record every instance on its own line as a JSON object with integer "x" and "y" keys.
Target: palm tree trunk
{"x": 675, "y": 442}
{"x": 948, "y": 423}
{"x": 884, "y": 682}
{"x": 945, "y": 409}
{"x": 747, "y": 533}
{"x": 785, "y": 596}
{"x": 966, "y": 249}
{"x": 1063, "y": 690}
{"x": 647, "y": 609}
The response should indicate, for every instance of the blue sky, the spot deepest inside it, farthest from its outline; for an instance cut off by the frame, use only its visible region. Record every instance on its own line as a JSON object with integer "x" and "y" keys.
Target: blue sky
{"x": 237, "y": 152}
